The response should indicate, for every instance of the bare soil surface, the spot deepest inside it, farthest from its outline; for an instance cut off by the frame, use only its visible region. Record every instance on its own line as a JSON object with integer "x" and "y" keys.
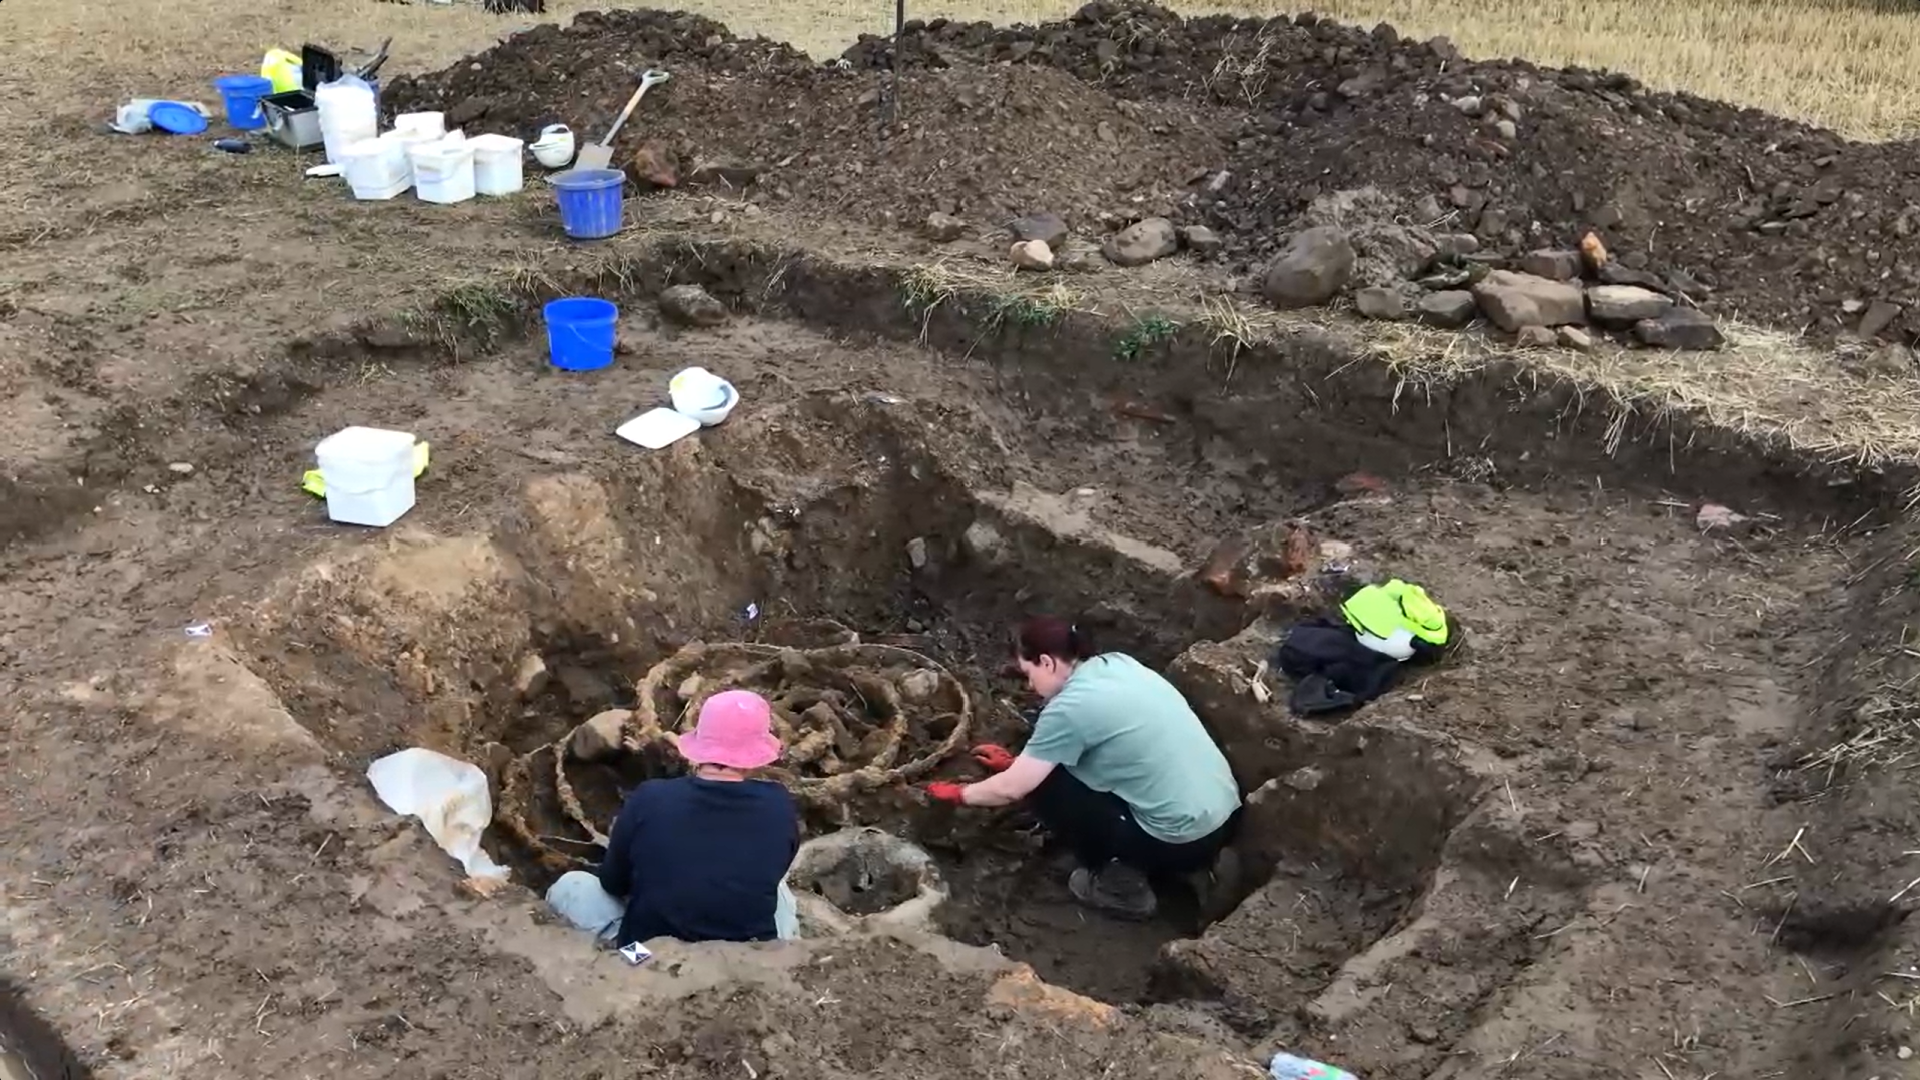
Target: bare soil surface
{"x": 1611, "y": 838}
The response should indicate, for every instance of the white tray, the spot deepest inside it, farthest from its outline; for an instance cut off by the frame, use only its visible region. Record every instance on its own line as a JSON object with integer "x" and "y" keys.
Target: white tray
{"x": 657, "y": 428}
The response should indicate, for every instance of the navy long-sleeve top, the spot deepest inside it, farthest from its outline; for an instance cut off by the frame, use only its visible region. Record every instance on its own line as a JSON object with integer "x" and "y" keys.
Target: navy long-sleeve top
{"x": 701, "y": 860}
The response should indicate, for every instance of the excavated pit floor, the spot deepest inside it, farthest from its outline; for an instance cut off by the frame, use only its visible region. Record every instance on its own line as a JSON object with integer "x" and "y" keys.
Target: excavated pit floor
{"x": 890, "y": 494}
{"x": 805, "y": 524}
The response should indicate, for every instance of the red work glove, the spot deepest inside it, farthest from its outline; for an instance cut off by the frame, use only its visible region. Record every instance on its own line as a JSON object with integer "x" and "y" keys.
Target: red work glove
{"x": 994, "y": 757}
{"x": 942, "y": 791}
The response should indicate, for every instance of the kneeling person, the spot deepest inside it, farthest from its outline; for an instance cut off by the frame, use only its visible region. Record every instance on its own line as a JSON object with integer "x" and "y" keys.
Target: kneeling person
{"x": 702, "y": 857}
{"x": 1118, "y": 767}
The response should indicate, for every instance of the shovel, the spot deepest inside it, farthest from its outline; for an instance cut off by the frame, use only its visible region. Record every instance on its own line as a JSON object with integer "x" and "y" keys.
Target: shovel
{"x": 600, "y": 155}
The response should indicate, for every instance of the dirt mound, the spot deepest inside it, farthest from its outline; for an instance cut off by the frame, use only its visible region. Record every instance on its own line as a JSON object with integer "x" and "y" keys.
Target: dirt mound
{"x": 1781, "y": 222}
{"x": 1125, "y": 112}
{"x": 987, "y": 144}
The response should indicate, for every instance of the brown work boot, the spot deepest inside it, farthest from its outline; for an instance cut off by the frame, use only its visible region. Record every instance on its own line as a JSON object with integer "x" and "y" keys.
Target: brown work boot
{"x": 1118, "y": 890}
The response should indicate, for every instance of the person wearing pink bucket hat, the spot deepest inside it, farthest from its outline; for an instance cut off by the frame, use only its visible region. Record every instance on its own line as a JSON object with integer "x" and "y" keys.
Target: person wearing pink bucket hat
{"x": 701, "y": 857}
{"x": 734, "y": 732}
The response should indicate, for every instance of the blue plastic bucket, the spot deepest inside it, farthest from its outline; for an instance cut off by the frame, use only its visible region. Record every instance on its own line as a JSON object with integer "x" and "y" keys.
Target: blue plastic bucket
{"x": 591, "y": 201}
{"x": 175, "y": 118}
{"x": 580, "y": 332}
{"x": 242, "y": 94}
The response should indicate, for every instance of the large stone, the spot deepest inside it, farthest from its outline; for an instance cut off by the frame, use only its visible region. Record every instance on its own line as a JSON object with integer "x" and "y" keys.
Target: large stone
{"x": 1449, "y": 310}
{"x": 1031, "y": 255}
{"x": 1362, "y": 84}
{"x": 1201, "y": 240}
{"x": 691, "y": 305}
{"x": 920, "y": 685}
{"x": 1619, "y": 273}
{"x": 1880, "y": 315}
{"x": 1380, "y": 302}
{"x": 1624, "y": 305}
{"x": 984, "y": 544}
{"x": 655, "y": 165}
{"x": 1679, "y": 328}
{"x": 1021, "y": 991}
{"x": 1554, "y": 265}
{"x": 1511, "y": 301}
{"x": 1312, "y": 270}
{"x": 599, "y": 738}
{"x": 531, "y": 676}
{"x": 1049, "y": 229}
{"x": 944, "y": 227}
{"x": 1385, "y": 251}
{"x": 1142, "y": 242}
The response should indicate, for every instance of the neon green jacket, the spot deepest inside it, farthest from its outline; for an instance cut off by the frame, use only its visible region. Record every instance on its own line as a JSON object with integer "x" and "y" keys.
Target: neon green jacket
{"x": 1396, "y": 610}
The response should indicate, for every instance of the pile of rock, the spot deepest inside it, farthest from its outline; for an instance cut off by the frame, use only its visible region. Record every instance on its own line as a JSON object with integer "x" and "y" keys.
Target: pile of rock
{"x": 1546, "y": 297}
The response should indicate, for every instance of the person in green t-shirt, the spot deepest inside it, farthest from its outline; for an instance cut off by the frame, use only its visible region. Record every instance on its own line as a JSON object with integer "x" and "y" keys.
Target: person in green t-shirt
{"x": 1118, "y": 767}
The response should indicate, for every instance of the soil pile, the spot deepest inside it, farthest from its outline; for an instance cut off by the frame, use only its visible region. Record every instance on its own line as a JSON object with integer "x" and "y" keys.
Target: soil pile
{"x": 986, "y": 144}
{"x": 1124, "y": 112}
{"x": 1782, "y": 222}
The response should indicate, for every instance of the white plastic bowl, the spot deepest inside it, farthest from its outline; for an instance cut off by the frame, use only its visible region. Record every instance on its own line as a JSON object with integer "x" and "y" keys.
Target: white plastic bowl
{"x": 697, "y": 388}
{"x": 712, "y": 415}
{"x": 554, "y": 147}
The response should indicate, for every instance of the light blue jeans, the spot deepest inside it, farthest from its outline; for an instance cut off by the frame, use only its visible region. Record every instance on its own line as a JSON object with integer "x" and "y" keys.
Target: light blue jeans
{"x": 579, "y": 898}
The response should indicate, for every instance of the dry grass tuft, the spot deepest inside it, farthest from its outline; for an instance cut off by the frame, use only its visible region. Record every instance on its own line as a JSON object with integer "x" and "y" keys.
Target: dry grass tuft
{"x": 1011, "y": 298}
{"x": 1886, "y": 725}
{"x": 1766, "y": 385}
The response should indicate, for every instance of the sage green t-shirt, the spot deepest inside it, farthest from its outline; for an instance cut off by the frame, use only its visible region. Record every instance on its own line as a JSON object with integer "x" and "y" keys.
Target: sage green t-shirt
{"x": 1119, "y": 727}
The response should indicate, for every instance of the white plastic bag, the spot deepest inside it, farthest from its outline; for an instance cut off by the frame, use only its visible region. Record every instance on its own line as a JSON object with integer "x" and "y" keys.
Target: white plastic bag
{"x": 450, "y": 798}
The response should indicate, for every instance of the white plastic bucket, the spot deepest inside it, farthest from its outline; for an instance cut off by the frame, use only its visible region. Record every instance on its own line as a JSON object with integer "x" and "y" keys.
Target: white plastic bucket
{"x": 408, "y": 142}
{"x": 349, "y": 112}
{"x": 375, "y": 168}
{"x": 368, "y": 473}
{"x": 498, "y": 167}
{"x": 554, "y": 147}
{"x": 443, "y": 171}
{"x": 427, "y": 123}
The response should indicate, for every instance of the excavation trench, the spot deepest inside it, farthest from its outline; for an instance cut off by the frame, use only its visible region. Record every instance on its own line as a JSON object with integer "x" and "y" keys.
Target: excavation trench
{"x": 835, "y": 562}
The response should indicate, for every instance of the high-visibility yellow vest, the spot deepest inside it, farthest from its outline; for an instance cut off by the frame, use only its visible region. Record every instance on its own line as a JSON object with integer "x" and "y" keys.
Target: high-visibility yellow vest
{"x": 1380, "y": 610}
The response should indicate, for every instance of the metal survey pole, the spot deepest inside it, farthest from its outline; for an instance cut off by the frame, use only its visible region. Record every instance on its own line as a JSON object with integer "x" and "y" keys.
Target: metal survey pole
{"x": 890, "y": 112}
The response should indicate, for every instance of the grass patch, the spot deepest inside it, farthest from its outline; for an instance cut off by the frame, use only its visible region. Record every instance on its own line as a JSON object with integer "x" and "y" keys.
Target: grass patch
{"x": 1146, "y": 332}
{"x": 481, "y": 314}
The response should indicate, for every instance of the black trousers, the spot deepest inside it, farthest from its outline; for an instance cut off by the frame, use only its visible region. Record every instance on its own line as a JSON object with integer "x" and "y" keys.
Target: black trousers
{"x": 1099, "y": 827}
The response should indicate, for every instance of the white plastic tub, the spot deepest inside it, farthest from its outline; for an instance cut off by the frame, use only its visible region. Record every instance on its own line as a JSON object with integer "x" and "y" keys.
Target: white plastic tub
{"x": 349, "y": 113}
{"x": 498, "y": 166}
{"x": 369, "y": 475}
{"x": 443, "y": 171}
{"x": 375, "y": 168}
{"x": 408, "y": 141}
{"x": 701, "y": 395}
{"x": 433, "y": 124}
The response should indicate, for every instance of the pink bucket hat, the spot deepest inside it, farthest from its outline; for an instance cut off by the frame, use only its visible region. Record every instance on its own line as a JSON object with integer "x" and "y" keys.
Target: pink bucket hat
{"x": 734, "y": 731}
